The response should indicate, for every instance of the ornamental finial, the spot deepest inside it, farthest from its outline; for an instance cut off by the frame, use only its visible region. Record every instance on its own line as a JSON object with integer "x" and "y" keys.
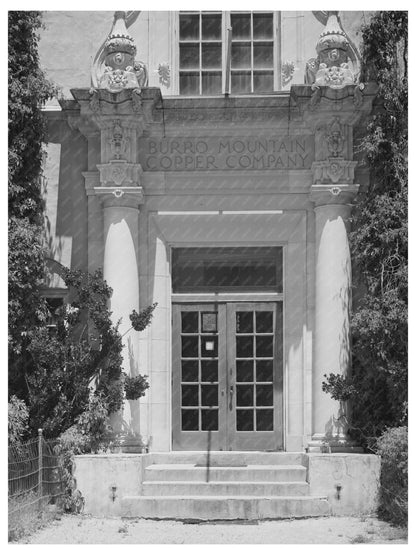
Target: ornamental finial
{"x": 332, "y": 66}
{"x": 115, "y": 67}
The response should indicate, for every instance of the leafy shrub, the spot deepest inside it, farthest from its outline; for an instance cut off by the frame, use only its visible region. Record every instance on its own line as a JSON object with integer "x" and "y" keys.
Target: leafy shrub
{"x": 340, "y": 388}
{"x": 392, "y": 446}
{"x": 94, "y": 424}
{"x": 141, "y": 320}
{"x": 18, "y": 416}
{"x": 72, "y": 442}
{"x": 135, "y": 386}
{"x": 28, "y": 89}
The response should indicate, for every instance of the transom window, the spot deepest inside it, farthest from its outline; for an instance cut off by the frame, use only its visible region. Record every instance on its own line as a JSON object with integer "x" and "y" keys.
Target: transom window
{"x": 216, "y": 48}
{"x": 210, "y": 269}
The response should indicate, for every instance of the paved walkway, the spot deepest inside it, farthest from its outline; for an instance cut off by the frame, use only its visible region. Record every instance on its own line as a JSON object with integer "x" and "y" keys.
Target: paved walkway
{"x": 71, "y": 529}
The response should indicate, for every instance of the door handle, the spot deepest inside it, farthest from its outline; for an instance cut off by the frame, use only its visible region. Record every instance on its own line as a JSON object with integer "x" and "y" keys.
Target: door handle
{"x": 231, "y": 397}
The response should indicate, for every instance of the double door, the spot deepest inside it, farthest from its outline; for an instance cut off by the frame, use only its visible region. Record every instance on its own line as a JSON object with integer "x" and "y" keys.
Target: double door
{"x": 227, "y": 376}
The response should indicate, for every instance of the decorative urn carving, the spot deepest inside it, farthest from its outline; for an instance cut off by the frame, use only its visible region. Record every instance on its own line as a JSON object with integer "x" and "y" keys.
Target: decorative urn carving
{"x": 333, "y": 66}
{"x": 115, "y": 67}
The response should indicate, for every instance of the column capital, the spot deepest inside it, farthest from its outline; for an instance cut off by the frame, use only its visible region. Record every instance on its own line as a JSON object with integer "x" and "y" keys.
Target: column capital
{"x": 327, "y": 194}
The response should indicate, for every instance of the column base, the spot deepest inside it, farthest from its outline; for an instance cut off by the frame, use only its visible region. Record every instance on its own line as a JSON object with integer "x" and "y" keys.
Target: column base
{"x": 321, "y": 443}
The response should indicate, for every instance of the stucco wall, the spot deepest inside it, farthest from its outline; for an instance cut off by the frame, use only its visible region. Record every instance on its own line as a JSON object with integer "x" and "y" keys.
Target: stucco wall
{"x": 104, "y": 480}
{"x": 350, "y": 481}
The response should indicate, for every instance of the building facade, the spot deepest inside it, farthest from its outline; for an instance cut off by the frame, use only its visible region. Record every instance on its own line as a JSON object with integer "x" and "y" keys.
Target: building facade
{"x": 208, "y": 162}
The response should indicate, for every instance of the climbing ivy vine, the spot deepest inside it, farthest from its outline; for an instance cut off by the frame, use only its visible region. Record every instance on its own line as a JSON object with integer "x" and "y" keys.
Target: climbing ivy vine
{"x": 379, "y": 240}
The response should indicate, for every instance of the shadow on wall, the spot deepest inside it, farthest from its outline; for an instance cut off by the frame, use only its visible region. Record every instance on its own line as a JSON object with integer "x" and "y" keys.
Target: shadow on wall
{"x": 337, "y": 426}
{"x": 66, "y": 199}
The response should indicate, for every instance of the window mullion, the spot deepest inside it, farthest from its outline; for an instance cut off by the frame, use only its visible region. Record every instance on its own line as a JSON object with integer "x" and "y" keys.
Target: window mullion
{"x": 200, "y": 53}
{"x": 252, "y": 51}
{"x": 277, "y": 51}
{"x": 226, "y": 24}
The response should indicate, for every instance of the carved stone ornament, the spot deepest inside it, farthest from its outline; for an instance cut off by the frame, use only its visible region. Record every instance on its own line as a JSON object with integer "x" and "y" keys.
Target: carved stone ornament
{"x": 119, "y": 145}
{"x": 335, "y": 139}
{"x": 164, "y": 74}
{"x": 95, "y": 100}
{"x": 336, "y": 77}
{"x": 136, "y": 101}
{"x": 331, "y": 68}
{"x": 120, "y": 172}
{"x": 115, "y": 68}
{"x": 358, "y": 95}
{"x": 315, "y": 98}
{"x": 333, "y": 170}
{"x": 288, "y": 71}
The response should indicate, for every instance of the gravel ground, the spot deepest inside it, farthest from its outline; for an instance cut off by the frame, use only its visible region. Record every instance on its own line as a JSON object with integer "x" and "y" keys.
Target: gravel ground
{"x": 83, "y": 529}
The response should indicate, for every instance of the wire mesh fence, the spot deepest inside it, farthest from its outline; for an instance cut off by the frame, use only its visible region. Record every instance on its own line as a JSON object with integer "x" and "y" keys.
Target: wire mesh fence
{"x": 35, "y": 479}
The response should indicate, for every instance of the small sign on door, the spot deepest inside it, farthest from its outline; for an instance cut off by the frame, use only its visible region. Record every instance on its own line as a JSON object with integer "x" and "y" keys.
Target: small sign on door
{"x": 209, "y": 345}
{"x": 209, "y": 322}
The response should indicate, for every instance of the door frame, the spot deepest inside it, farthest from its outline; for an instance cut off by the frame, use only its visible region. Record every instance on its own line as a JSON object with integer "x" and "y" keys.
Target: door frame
{"x": 224, "y": 439}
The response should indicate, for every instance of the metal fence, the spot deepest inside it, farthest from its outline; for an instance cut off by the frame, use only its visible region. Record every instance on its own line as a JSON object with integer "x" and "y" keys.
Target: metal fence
{"x": 35, "y": 477}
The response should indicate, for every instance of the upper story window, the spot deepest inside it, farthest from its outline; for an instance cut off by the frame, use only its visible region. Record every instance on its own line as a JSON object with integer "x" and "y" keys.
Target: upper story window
{"x": 200, "y": 53}
{"x": 252, "y": 52}
{"x": 233, "y": 52}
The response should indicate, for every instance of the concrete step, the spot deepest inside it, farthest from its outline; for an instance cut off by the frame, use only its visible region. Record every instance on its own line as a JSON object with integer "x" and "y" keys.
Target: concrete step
{"x": 223, "y": 507}
{"x": 226, "y": 458}
{"x": 265, "y": 489}
{"x": 249, "y": 473}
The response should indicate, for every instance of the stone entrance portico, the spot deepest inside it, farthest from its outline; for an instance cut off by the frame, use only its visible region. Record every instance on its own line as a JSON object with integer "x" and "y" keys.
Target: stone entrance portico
{"x": 263, "y": 171}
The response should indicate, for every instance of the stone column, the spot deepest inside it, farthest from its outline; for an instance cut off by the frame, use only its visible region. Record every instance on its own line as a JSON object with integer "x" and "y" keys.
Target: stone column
{"x": 121, "y": 272}
{"x": 332, "y": 306}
